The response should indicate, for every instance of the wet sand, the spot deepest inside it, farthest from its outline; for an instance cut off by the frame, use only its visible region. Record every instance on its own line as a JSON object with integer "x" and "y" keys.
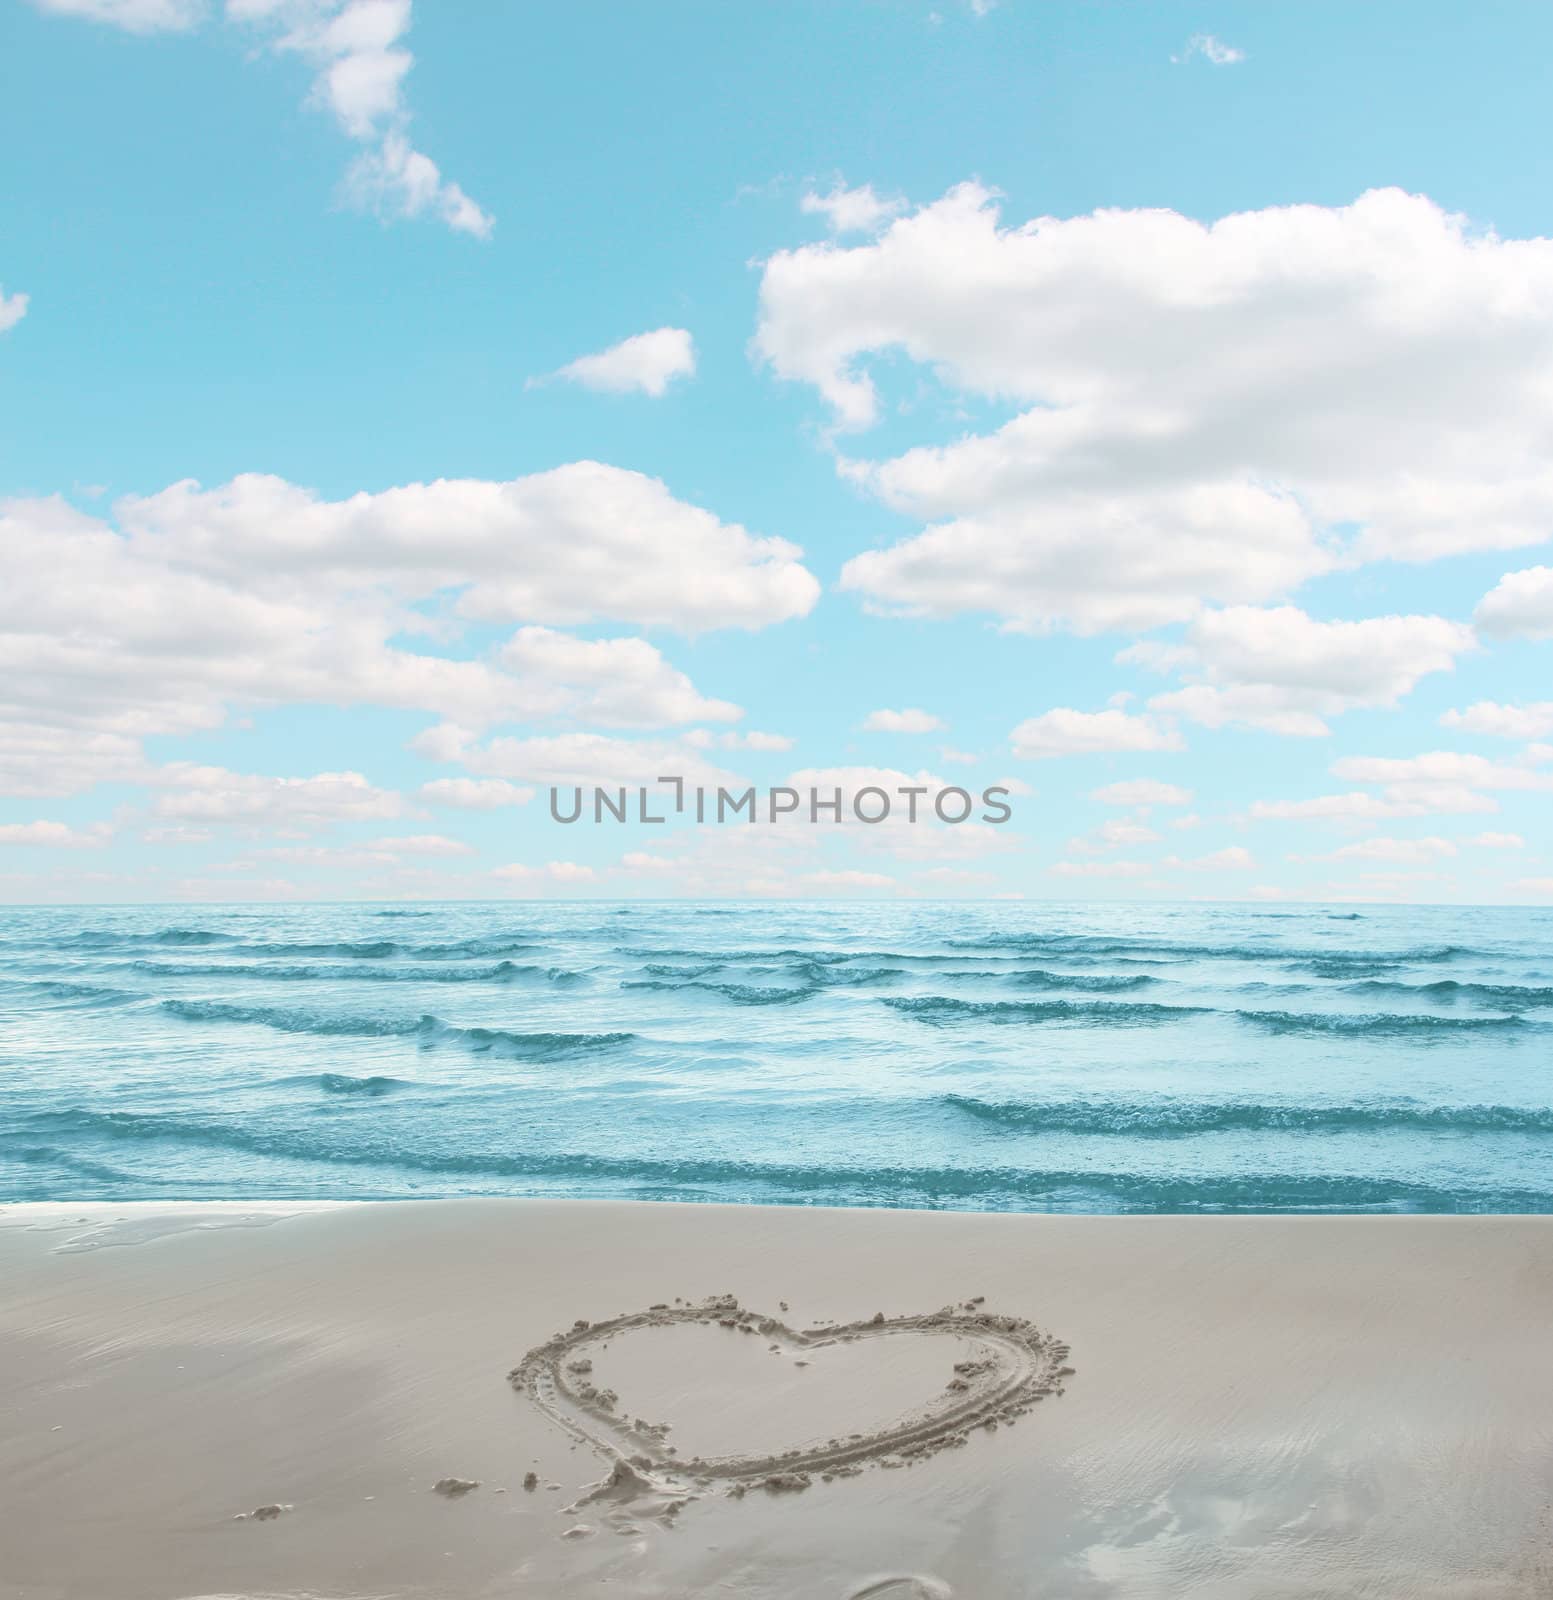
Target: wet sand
{"x": 523, "y": 1398}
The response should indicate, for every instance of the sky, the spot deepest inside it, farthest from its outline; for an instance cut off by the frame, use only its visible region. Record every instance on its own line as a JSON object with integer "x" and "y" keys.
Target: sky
{"x": 1146, "y": 409}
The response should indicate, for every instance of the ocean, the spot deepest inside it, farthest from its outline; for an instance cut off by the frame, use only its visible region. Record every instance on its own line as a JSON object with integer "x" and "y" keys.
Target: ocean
{"x": 1014, "y": 1056}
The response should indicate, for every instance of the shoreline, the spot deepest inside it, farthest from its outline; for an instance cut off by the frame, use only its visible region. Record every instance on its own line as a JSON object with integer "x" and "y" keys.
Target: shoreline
{"x": 1262, "y": 1405}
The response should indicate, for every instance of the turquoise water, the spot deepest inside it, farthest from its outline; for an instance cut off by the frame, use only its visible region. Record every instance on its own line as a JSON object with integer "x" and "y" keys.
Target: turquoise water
{"x": 1009, "y": 1057}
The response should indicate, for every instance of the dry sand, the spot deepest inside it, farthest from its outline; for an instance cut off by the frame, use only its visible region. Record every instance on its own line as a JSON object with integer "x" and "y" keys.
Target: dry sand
{"x": 402, "y": 1400}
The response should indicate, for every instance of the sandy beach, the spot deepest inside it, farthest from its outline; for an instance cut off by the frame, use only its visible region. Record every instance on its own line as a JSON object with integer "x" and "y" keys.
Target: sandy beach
{"x": 1256, "y": 1407}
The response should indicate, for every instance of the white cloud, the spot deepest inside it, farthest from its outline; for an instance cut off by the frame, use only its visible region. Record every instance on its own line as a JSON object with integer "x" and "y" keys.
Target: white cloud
{"x": 395, "y": 180}
{"x": 910, "y": 720}
{"x": 1282, "y": 670}
{"x": 1498, "y": 841}
{"x": 1538, "y": 886}
{"x": 1113, "y": 835}
{"x": 201, "y": 794}
{"x": 134, "y": 16}
{"x": 1063, "y": 732}
{"x": 56, "y": 835}
{"x": 1357, "y": 806}
{"x": 1100, "y": 869}
{"x": 622, "y": 683}
{"x": 573, "y": 544}
{"x": 1209, "y": 410}
{"x": 646, "y": 363}
{"x": 1211, "y": 49}
{"x": 355, "y": 50}
{"x": 552, "y": 872}
{"x": 475, "y": 794}
{"x": 1439, "y": 770}
{"x": 1503, "y": 722}
{"x": 1439, "y": 783}
{"x": 13, "y": 308}
{"x": 571, "y": 758}
{"x": 1519, "y": 605}
{"x": 422, "y": 844}
{"x": 1142, "y": 792}
{"x": 766, "y": 743}
{"x": 857, "y": 210}
{"x": 848, "y": 878}
{"x": 260, "y": 593}
{"x": 1406, "y": 852}
{"x": 1233, "y": 858}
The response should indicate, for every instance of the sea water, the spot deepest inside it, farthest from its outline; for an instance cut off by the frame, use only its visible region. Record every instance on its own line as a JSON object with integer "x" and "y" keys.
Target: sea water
{"x": 1008, "y": 1056}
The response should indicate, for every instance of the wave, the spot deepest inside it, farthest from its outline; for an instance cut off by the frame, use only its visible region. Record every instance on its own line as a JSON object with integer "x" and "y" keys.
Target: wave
{"x": 1377, "y": 1025}
{"x": 501, "y": 972}
{"x": 90, "y": 994}
{"x": 428, "y": 1030}
{"x": 939, "y": 1010}
{"x": 110, "y": 939}
{"x": 487, "y": 949}
{"x": 1086, "y": 983}
{"x": 648, "y": 1177}
{"x": 342, "y": 1083}
{"x": 1174, "y": 1118}
{"x": 1511, "y": 996}
{"x": 1106, "y": 945}
{"x": 743, "y": 994}
{"x": 1350, "y": 965}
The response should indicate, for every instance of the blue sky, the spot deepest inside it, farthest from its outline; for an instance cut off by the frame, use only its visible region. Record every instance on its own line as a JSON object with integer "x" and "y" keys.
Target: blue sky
{"x": 1158, "y": 395}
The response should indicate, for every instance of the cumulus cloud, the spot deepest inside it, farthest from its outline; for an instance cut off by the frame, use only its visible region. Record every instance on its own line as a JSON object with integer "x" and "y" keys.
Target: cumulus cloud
{"x": 570, "y": 758}
{"x": 1142, "y": 792}
{"x": 355, "y": 49}
{"x": 574, "y": 544}
{"x": 1439, "y": 770}
{"x": 475, "y": 794}
{"x": 1406, "y": 852}
{"x": 1439, "y": 783}
{"x": 911, "y": 720}
{"x": 1282, "y": 670}
{"x": 1498, "y": 841}
{"x": 1113, "y": 835}
{"x": 13, "y": 307}
{"x": 646, "y": 363}
{"x": 55, "y": 835}
{"x": 202, "y": 794}
{"x": 1064, "y": 732}
{"x": 563, "y": 873}
{"x": 621, "y": 683}
{"x": 1207, "y": 412}
{"x": 1359, "y": 806}
{"x": 857, "y": 210}
{"x": 261, "y": 593}
{"x": 1100, "y": 869}
{"x": 422, "y": 844}
{"x": 754, "y": 739}
{"x": 1233, "y": 858}
{"x": 844, "y": 880}
{"x": 1519, "y": 605}
{"x": 1488, "y": 717}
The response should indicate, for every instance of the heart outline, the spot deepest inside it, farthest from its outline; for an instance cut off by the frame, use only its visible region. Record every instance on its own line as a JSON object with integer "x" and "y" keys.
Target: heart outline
{"x": 1023, "y": 1367}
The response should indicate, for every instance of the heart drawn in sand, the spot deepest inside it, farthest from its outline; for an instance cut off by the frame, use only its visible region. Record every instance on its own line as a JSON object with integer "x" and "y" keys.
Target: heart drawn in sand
{"x": 995, "y": 1368}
